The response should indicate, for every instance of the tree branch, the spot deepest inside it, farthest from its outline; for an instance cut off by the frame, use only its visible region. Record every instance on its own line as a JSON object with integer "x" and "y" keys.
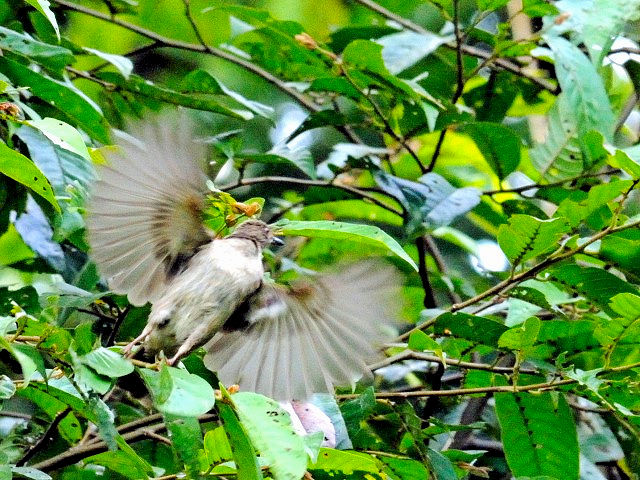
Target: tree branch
{"x": 315, "y": 183}
{"x": 499, "y": 63}
{"x": 162, "y": 41}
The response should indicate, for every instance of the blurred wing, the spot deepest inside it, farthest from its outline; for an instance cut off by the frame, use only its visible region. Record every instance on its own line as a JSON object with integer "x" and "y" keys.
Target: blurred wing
{"x": 144, "y": 217}
{"x": 311, "y": 338}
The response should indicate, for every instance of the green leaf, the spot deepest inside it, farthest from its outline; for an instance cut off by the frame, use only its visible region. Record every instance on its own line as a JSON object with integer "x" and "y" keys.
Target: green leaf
{"x": 326, "y": 402}
{"x": 365, "y": 234}
{"x": 559, "y": 156}
{"x": 60, "y": 95}
{"x": 200, "y": 81}
{"x": 216, "y": 446}
{"x": 538, "y": 435}
{"x": 404, "y": 49}
{"x": 53, "y": 57}
{"x": 123, "y": 64}
{"x": 27, "y": 364}
{"x": 499, "y": 145}
{"x": 7, "y": 388}
{"x": 441, "y": 466}
{"x": 18, "y": 167}
{"x": 63, "y": 166}
{"x": 470, "y": 327}
{"x": 598, "y": 23}
{"x": 191, "y": 395}
{"x": 406, "y": 468}
{"x": 527, "y": 237}
{"x": 594, "y": 207}
{"x": 31, "y": 472}
{"x": 186, "y": 438}
{"x": 420, "y": 341}
{"x": 627, "y": 160}
{"x": 621, "y": 336}
{"x": 139, "y": 86}
{"x": 432, "y": 202}
{"x": 595, "y": 284}
{"x": 322, "y": 118}
{"x": 119, "y": 462}
{"x": 243, "y": 453}
{"x": 107, "y": 362}
{"x": 271, "y": 431}
{"x": 357, "y": 410}
{"x": 522, "y": 336}
{"x": 491, "y": 4}
{"x": 13, "y": 249}
{"x": 342, "y": 464}
{"x": 283, "y": 154}
{"x": 43, "y": 6}
{"x": 583, "y": 88}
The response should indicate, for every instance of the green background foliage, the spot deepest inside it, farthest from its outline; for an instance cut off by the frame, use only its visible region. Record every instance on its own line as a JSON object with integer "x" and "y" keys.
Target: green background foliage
{"x": 488, "y": 148}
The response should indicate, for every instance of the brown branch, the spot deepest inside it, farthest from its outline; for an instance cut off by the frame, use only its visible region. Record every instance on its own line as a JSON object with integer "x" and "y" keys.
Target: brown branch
{"x": 452, "y": 362}
{"x": 76, "y": 454}
{"x": 45, "y": 438}
{"x": 505, "y": 285}
{"x": 499, "y": 63}
{"x": 491, "y": 389}
{"x": 162, "y": 41}
{"x": 429, "y": 300}
{"x": 550, "y": 185}
{"x": 315, "y": 183}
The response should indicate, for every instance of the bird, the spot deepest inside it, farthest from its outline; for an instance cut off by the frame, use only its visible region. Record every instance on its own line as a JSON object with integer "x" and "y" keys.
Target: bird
{"x": 148, "y": 240}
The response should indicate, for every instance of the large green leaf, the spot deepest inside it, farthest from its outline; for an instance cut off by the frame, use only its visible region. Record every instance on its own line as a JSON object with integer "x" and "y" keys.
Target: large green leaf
{"x": 404, "y": 49}
{"x": 186, "y": 438}
{"x": 243, "y": 453}
{"x": 527, "y": 237}
{"x": 432, "y": 202}
{"x": 60, "y": 95}
{"x": 499, "y": 145}
{"x": 18, "y": 167}
{"x": 200, "y": 81}
{"x": 538, "y": 435}
{"x": 583, "y": 88}
{"x": 366, "y": 234}
{"x": 559, "y": 156}
{"x": 271, "y": 431}
{"x": 470, "y": 327}
{"x": 139, "y": 86}
{"x": 44, "y": 7}
{"x": 53, "y": 57}
{"x": 107, "y": 362}
{"x": 63, "y": 165}
{"x": 595, "y": 284}
{"x": 186, "y": 395}
{"x": 345, "y": 464}
{"x": 598, "y": 22}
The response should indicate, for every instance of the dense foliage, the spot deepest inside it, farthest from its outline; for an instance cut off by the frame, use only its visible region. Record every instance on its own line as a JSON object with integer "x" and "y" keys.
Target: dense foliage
{"x": 488, "y": 148}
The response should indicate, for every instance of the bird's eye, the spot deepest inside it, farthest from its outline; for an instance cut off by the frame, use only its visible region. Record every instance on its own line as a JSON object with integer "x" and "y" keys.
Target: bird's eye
{"x": 164, "y": 322}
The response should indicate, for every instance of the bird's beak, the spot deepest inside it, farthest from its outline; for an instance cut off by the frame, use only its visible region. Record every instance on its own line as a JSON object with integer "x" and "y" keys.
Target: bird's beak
{"x": 277, "y": 241}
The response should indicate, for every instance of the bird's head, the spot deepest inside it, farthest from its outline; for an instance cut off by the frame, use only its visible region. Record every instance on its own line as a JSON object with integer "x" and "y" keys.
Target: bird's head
{"x": 256, "y": 231}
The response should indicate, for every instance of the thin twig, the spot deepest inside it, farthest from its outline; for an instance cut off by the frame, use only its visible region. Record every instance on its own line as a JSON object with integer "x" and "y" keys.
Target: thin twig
{"x": 500, "y": 63}
{"x": 505, "y": 285}
{"x": 452, "y": 362}
{"x": 429, "y": 300}
{"x": 549, "y": 185}
{"x": 434, "y": 251}
{"x": 162, "y": 41}
{"x": 44, "y": 439}
{"x": 116, "y": 326}
{"x": 315, "y": 183}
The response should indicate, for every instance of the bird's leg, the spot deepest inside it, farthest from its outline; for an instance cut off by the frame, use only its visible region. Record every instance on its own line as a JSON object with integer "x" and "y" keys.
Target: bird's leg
{"x": 193, "y": 341}
{"x": 145, "y": 333}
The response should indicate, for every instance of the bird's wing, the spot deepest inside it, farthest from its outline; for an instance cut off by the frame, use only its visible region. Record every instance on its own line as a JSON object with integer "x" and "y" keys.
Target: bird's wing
{"x": 145, "y": 212}
{"x": 319, "y": 334}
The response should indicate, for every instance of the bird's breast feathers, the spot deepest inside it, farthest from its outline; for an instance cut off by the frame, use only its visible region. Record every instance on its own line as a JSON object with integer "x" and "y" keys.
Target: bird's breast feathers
{"x": 218, "y": 278}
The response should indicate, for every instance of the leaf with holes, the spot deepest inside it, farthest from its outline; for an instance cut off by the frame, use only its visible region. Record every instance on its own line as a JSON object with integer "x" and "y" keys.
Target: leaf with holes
{"x": 53, "y": 57}
{"x": 527, "y": 237}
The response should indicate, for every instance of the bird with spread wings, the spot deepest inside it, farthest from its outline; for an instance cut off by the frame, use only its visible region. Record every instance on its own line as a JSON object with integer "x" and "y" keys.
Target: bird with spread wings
{"x": 146, "y": 230}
